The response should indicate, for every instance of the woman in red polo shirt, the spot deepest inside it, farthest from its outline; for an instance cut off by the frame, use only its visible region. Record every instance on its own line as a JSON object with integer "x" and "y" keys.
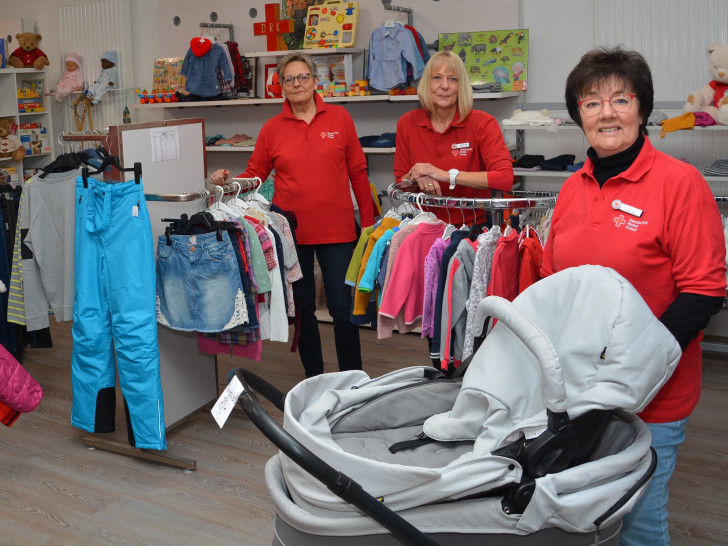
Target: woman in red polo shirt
{"x": 653, "y": 219}
{"x": 315, "y": 151}
{"x": 446, "y": 147}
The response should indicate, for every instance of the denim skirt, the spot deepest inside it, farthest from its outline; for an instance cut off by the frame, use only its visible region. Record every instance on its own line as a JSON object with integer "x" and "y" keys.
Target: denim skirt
{"x": 198, "y": 284}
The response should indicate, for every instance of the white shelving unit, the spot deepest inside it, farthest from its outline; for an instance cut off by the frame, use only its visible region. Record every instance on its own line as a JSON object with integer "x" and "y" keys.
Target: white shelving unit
{"x": 12, "y": 79}
{"x": 171, "y": 110}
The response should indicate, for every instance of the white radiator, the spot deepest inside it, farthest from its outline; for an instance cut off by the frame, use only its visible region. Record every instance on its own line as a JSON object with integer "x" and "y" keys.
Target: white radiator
{"x": 90, "y": 29}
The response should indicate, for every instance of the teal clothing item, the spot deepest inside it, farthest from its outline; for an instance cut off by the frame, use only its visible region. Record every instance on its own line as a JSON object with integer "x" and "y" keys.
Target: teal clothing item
{"x": 267, "y": 189}
{"x": 257, "y": 259}
{"x": 114, "y": 313}
{"x": 366, "y": 284}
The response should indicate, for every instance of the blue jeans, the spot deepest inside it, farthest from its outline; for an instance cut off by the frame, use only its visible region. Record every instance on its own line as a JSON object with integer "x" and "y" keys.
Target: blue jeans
{"x": 646, "y": 524}
{"x": 334, "y": 260}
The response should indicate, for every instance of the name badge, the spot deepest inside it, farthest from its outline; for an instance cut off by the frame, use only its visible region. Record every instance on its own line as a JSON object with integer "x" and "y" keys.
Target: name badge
{"x": 461, "y": 145}
{"x": 624, "y": 207}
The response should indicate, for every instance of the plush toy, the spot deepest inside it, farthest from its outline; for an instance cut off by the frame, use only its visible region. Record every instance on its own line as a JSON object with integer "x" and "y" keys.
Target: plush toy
{"x": 108, "y": 79}
{"x": 72, "y": 78}
{"x": 28, "y": 55}
{"x": 713, "y": 98}
{"x": 10, "y": 145}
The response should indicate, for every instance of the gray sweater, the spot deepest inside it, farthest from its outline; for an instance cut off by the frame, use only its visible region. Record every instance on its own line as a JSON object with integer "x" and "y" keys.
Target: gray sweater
{"x": 48, "y": 222}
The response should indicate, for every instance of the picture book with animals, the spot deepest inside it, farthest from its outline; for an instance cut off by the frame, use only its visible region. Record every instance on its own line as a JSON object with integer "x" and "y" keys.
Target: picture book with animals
{"x": 491, "y": 56}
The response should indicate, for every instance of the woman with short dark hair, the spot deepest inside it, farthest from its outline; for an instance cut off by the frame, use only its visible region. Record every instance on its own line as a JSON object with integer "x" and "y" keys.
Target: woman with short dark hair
{"x": 654, "y": 220}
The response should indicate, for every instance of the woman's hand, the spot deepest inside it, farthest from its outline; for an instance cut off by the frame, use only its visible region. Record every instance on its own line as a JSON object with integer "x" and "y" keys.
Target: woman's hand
{"x": 219, "y": 177}
{"x": 427, "y": 177}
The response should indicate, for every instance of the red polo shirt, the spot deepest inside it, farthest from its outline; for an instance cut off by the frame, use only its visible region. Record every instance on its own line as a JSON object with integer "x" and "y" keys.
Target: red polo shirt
{"x": 314, "y": 162}
{"x": 676, "y": 245}
{"x": 474, "y": 144}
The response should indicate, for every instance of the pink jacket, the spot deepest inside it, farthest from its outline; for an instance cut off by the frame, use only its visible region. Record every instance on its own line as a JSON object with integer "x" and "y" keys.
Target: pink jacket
{"x": 18, "y": 389}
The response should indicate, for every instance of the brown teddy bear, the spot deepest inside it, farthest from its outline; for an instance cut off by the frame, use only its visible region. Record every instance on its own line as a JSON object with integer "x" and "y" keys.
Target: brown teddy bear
{"x": 10, "y": 145}
{"x": 28, "y": 55}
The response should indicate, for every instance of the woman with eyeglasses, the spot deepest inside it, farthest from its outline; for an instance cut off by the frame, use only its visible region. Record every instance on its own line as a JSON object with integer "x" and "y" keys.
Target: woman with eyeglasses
{"x": 446, "y": 147}
{"x": 315, "y": 151}
{"x": 654, "y": 220}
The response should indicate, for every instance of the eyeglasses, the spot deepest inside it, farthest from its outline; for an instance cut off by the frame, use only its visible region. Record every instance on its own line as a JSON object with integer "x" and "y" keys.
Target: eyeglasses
{"x": 302, "y": 78}
{"x": 619, "y": 103}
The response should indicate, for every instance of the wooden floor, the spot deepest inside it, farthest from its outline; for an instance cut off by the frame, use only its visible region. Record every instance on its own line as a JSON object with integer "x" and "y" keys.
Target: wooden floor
{"x": 53, "y": 490}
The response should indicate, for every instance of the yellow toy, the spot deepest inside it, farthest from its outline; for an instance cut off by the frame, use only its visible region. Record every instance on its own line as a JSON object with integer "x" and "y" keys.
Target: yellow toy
{"x": 330, "y": 25}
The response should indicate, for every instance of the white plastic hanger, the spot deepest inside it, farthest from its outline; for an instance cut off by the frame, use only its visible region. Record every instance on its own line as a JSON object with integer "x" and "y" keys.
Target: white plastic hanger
{"x": 220, "y": 210}
{"x": 257, "y": 199}
{"x": 423, "y": 216}
{"x": 236, "y": 204}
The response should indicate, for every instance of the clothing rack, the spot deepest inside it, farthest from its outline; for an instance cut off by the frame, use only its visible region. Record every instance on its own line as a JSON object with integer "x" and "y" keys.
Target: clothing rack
{"x": 212, "y": 26}
{"x": 94, "y": 135}
{"x": 527, "y": 201}
{"x": 408, "y": 11}
{"x": 246, "y": 184}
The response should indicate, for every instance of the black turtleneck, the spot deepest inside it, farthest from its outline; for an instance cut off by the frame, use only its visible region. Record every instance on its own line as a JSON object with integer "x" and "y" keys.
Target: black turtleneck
{"x": 607, "y": 167}
{"x": 689, "y": 313}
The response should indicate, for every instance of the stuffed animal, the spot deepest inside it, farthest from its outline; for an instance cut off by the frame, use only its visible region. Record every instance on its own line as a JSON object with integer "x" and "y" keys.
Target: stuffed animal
{"x": 107, "y": 80}
{"x": 72, "y": 78}
{"x": 10, "y": 145}
{"x": 713, "y": 98}
{"x": 28, "y": 54}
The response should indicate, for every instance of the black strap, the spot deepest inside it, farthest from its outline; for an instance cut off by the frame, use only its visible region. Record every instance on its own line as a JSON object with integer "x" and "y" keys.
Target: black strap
{"x": 421, "y": 440}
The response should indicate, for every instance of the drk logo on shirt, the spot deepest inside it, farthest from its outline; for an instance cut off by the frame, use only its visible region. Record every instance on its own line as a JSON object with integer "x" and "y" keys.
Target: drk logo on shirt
{"x": 329, "y": 134}
{"x": 629, "y": 224}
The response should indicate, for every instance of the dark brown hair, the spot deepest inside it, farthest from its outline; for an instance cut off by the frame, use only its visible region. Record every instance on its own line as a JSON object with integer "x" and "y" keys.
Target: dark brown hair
{"x": 603, "y": 64}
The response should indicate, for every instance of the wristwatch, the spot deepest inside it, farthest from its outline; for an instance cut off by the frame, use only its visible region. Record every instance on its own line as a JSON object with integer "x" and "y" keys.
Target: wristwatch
{"x": 453, "y": 175}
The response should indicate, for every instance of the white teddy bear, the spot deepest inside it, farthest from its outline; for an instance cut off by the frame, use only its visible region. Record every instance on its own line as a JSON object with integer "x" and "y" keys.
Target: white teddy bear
{"x": 713, "y": 98}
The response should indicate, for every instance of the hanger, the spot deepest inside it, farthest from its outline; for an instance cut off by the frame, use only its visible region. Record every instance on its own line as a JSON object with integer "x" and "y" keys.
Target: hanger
{"x": 220, "y": 211}
{"x": 111, "y": 161}
{"x": 63, "y": 163}
{"x": 257, "y": 198}
{"x": 185, "y": 224}
{"x": 423, "y": 216}
{"x": 238, "y": 206}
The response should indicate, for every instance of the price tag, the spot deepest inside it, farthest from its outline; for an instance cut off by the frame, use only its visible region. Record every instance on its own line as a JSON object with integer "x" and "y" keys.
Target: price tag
{"x": 226, "y": 403}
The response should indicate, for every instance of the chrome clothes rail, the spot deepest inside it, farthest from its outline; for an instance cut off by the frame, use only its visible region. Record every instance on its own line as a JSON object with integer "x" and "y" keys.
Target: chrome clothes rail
{"x": 529, "y": 201}
{"x": 246, "y": 184}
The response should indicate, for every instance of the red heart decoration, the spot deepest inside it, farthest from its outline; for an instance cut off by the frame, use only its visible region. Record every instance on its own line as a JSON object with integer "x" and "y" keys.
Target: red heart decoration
{"x": 200, "y": 46}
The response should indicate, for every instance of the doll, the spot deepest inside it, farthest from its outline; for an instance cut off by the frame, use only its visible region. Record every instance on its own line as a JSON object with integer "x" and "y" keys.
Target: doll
{"x": 72, "y": 78}
{"x": 108, "y": 79}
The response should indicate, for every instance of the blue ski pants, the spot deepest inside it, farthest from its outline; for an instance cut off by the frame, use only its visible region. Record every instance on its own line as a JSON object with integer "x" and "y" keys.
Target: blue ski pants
{"x": 114, "y": 315}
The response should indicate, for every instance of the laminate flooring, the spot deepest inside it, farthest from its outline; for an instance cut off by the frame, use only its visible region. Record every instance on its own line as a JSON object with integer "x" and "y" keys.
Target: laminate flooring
{"x": 55, "y": 491}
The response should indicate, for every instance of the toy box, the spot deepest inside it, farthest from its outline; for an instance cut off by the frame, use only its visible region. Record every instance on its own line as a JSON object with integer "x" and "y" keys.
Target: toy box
{"x": 332, "y": 24}
{"x": 491, "y": 56}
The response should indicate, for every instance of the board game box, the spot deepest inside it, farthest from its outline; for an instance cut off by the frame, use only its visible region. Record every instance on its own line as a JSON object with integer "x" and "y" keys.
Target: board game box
{"x": 491, "y": 56}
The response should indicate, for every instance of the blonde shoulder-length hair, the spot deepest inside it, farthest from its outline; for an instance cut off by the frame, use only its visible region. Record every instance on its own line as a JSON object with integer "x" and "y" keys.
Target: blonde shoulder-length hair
{"x": 449, "y": 61}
